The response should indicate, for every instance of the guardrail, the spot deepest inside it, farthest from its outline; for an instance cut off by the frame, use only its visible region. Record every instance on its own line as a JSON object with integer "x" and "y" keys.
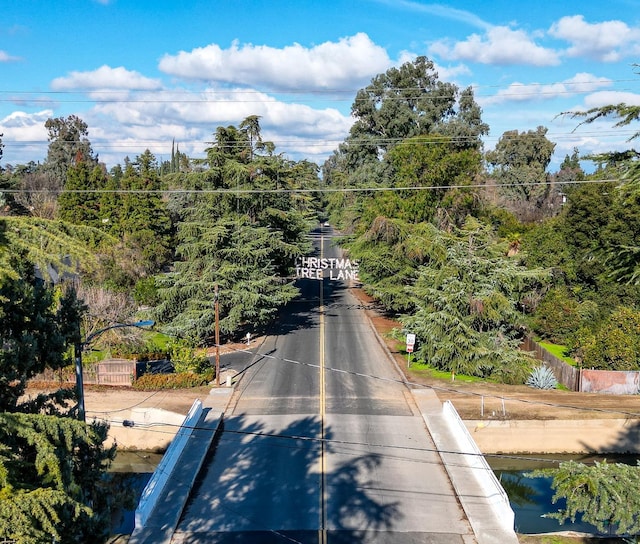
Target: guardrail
{"x": 152, "y": 491}
{"x": 485, "y": 476}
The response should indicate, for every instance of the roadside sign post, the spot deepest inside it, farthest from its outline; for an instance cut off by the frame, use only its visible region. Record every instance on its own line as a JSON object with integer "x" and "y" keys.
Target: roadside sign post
{"x": 411, "y": 341}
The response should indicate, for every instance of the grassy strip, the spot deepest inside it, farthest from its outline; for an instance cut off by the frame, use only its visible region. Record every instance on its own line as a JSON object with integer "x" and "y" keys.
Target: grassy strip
{"x": 427, "y": 371}
{"x": 559, "y": 351}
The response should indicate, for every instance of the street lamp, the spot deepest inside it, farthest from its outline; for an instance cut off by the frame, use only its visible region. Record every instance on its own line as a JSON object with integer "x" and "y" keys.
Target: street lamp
{"x": 79, "y": 348}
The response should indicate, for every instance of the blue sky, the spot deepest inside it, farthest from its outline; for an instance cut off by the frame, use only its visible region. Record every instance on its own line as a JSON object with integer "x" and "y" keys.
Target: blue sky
{"x": 141, "y": 73}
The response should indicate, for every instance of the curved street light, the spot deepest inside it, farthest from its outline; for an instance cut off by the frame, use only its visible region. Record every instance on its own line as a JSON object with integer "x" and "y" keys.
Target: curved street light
{"x": 80, "y": 347}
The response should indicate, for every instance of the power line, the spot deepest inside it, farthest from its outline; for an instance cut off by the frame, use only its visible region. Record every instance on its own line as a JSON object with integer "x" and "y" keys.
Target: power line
{"x": 320, "y": 189}
{"x": 433, "y": 387}
{"x": 449, "y": 389}
{"x": 305, "y": 439}
{"x": 579, "y": 87}
{"x": 432, "y": 138}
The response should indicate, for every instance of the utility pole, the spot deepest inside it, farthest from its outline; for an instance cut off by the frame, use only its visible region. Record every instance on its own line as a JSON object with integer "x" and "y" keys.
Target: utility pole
{"x": 217, "y": 314}
{"x": 79, "y": 378}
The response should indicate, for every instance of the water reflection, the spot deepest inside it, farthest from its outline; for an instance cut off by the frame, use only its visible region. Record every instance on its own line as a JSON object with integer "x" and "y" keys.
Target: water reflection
{"x": 133, "y": 471}
{"x": 531, "y": 498}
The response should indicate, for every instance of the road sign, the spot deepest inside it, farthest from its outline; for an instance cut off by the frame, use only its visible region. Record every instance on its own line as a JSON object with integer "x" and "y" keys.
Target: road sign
{"x": 411, "y": 341}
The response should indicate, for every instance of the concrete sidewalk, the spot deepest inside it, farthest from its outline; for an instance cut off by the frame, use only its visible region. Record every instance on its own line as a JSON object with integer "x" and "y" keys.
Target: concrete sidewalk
{"x": 484, "y": 509}
{"x": 165, "y": 516}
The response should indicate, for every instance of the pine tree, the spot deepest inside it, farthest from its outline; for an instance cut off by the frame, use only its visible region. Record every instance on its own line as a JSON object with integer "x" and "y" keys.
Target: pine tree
{"x": 52, "y": 246}
{"x": 35, "y": 332}
{"x": 79, "y": 203}
{"x": 52, "y": 480}
{"x": 466, "y": 317}
{"x": 244, "y": 238}
{"x": 604, "y": 494}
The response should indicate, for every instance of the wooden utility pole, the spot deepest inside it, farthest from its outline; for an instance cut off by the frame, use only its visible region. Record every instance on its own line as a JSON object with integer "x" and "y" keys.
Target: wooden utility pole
{"x": 217, "y": 335}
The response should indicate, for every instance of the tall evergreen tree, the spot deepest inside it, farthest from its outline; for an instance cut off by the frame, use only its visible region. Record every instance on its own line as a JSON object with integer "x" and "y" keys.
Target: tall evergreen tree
{"x": 404, "y": 118}
{"x": 244, "y": 238}
{"x": 603, "y": 494}
{"x": 406, "y": 102}
{"x": 53, "y": 486}
{"x": 79, "y": 203}
{"x": 520, "y": 161}
{"x": 467, "y": 316}
{"x": 68, "y": 145}
{"x": 35, "y": 332}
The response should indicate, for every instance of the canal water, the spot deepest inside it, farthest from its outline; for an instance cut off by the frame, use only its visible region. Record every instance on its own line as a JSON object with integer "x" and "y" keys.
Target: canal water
{"x": 136, "y": 467}
{"x": 531, "y": 498}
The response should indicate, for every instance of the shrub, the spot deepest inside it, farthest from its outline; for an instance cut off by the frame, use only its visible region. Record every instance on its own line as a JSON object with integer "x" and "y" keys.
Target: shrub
{"x": 181, "y": 380}
{"x": 145, "y": 292}
{"x": 542, "y": 377}
{"x": 616, "y": 345}
{"x": 557, "y": 316}
{"x": 185, "y": 358}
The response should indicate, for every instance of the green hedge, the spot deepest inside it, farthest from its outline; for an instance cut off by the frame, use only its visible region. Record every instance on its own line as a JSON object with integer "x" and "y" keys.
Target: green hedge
{"x": 181, "y": 380}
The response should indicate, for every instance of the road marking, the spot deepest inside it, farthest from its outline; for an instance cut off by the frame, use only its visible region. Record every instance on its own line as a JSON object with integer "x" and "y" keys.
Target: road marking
{"x": 322, "y": 533}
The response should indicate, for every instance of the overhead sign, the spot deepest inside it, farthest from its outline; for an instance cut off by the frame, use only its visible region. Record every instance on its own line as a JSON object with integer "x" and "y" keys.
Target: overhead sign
{"x": 316, "y": 268}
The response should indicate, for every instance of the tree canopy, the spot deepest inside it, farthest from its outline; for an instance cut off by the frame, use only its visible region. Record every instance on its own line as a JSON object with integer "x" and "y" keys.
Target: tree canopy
{"x": 52, "y": 484}
{"x": 451, "y": 241}
{"x": 243, "y": 236}
{"x": 604, "y": 494}
{"x": 68, "y": 144}
{"x": 468, "y": 306}
{"x": 35, "y": 333}
{"x": 520, "y": 161}
{"x": 410, "y": 101}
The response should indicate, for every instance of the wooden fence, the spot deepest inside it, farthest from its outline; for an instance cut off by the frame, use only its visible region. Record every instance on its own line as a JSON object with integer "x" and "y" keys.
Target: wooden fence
{"x": 566, "y": 374}
{"x": 107, "y": 372}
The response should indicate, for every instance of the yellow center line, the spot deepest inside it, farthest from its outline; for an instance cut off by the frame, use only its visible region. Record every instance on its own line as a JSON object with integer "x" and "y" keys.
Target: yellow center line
{"x": 322, "y": 535}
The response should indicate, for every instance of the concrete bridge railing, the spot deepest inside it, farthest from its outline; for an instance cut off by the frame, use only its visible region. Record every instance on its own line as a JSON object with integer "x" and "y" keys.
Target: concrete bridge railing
{"x": 486, "y": 478}
{"x": 154, "y": 488}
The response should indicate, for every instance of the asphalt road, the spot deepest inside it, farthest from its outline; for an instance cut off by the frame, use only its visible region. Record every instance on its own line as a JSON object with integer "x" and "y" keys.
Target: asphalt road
{"x": 322, "y": 442}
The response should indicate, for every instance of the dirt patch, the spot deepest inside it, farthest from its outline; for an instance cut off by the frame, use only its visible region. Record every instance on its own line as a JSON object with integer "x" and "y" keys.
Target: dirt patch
{"x": 496, "y": 401}
{"x": 109, "y": 399}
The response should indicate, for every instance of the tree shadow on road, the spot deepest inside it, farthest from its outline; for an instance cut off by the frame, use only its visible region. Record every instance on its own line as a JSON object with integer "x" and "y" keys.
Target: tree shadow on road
{"x": 264, "y": 485}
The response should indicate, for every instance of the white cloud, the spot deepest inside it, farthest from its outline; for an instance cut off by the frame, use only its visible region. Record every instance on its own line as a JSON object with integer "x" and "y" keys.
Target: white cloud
{"x": 330, "y": 65}
{"x": 153, "y": 121}
{"x": 605, "y": 98}
{"x": 450, "y": 73}
{"x": 24, "y": 136}
{"x": 5, "y": 57}
{"x": 105, "y": 77}
{"x": 530, "y": 92}
{"x": 22, "y": 126}
{"x": 608, "y": 41}
{"x": 500, "y": 45}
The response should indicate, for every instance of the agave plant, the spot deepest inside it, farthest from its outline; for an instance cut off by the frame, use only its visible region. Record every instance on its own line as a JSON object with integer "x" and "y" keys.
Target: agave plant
{"x": 542, "y": 377}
